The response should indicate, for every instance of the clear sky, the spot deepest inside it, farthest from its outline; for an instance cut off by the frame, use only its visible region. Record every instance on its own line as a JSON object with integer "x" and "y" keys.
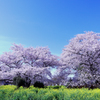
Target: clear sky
{"x": 44, "y": 23}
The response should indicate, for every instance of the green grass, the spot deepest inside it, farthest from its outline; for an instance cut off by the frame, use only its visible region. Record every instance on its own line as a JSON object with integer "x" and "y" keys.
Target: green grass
{"x": 10, "y": 92}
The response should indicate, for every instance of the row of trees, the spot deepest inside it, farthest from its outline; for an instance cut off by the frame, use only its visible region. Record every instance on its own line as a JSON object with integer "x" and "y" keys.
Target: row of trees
{"x": 82, "y": 54}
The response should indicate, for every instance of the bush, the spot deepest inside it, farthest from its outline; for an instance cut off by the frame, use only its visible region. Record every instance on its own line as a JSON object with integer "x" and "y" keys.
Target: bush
{"x": 56, "y": 87}
{"x": 18, "y": 81}
{"x": 38, "y": 84}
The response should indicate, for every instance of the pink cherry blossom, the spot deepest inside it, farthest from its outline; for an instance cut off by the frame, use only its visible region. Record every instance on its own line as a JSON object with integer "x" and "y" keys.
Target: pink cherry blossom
{"x": 83, "y": 55}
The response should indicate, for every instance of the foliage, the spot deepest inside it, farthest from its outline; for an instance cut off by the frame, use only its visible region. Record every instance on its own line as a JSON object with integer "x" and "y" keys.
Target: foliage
{"x": 38, "y": 84}
{"x": 83, "y": 55}
{"x": 61, "y": 76}
{"x": 34, "y": 63}
{"x": 18, "y": 81}
{"x": 9, "y": 92}
{"x": 54, "y": 87}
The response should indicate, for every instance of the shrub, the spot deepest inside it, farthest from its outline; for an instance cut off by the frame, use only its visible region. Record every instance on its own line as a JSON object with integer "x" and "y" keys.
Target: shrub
{"x": 56, "y": 87}
{"x": 18, "y": 81}
{"x": 21, "y": 82}
{"x": 38, "y": 84}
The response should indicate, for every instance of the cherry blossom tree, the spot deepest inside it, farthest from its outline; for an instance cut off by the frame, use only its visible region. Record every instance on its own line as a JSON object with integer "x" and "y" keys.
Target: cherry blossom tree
{"x": 61, "y": 76}
{"x": 31, "y": 63}
{"x": 83, "y": 55}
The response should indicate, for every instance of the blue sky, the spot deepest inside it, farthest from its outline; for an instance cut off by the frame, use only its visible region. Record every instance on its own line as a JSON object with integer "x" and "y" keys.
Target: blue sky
{"x": 49, "y": 23}
{"x": 44, "y": 23}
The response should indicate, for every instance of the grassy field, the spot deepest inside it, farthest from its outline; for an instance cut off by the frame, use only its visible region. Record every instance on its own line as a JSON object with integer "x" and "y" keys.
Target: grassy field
{"x": 10, "y": 92}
